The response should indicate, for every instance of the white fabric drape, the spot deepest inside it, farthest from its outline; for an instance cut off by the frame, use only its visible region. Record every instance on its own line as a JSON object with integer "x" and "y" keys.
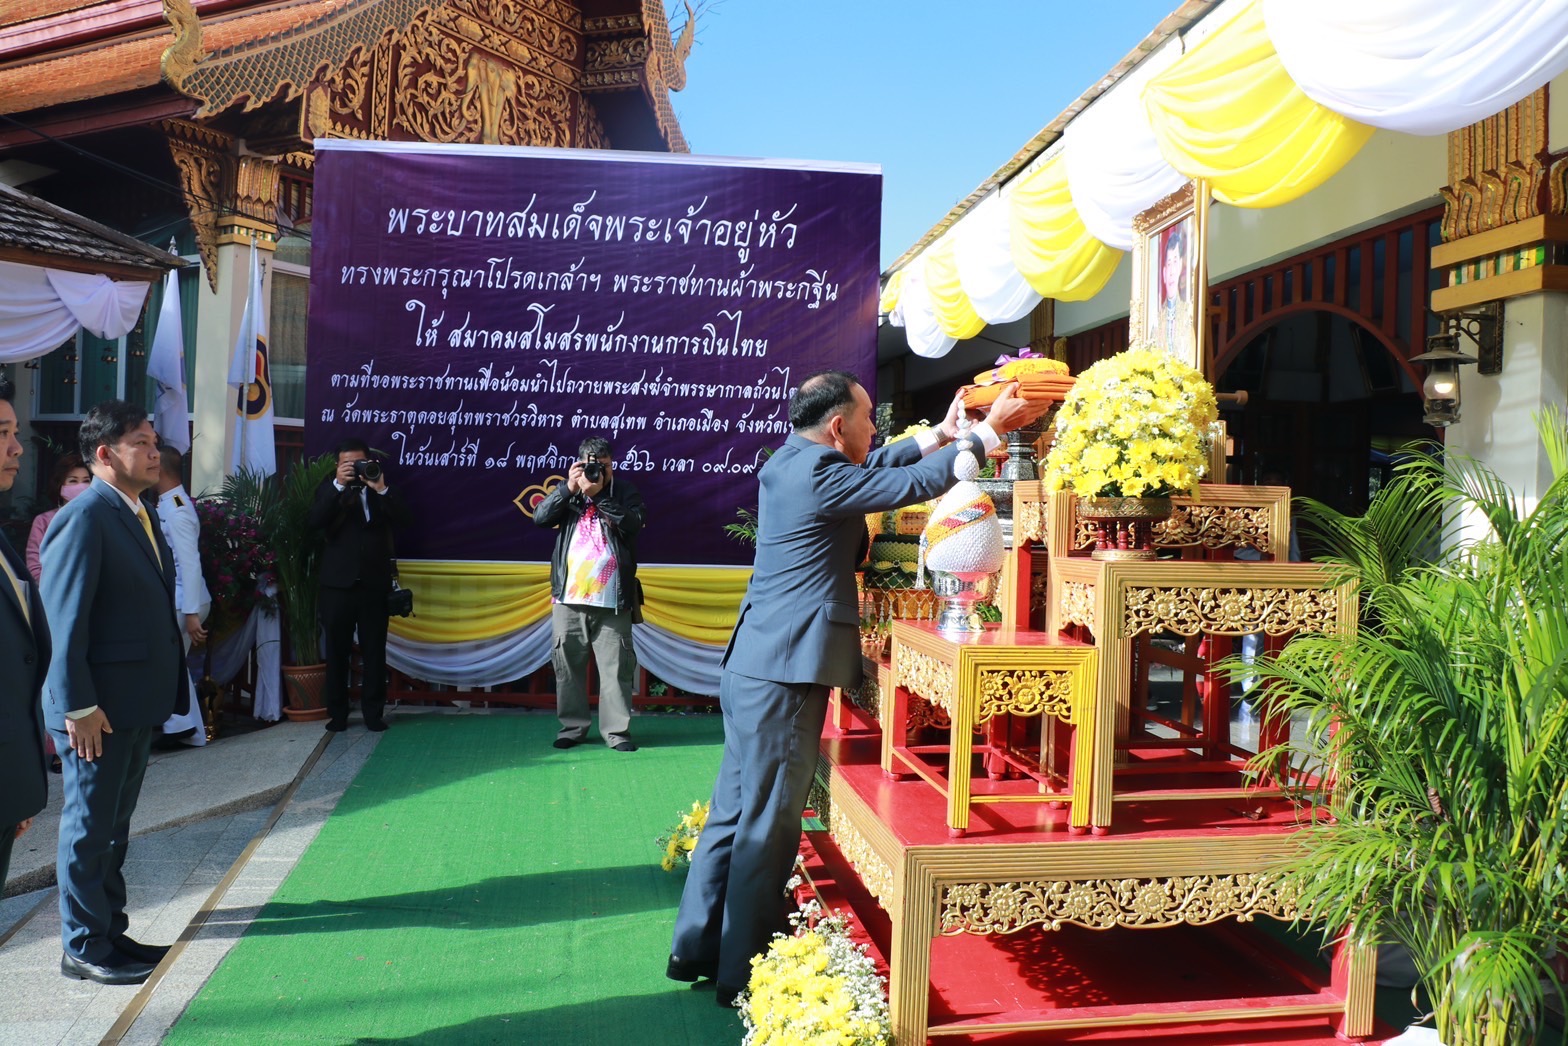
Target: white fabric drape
{"x": 1419, "y": 66}
{"x": 41, "y": 308}
{"x": 986, "y": 272}
{"x": 689, "y": 665}
{"x": 915, "y": 314}
{"x": 226, "y": 658}
{"x": 1114, "y": 165}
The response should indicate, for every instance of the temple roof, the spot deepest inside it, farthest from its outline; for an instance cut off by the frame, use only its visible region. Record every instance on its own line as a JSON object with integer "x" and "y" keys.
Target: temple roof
{"x": 36, "y": 232}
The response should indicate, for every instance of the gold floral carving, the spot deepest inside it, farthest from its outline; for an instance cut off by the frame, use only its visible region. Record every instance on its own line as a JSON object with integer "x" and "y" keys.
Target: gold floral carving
{"x": 1100, "y": 904}
{"x": 819, "y": 798}
{"x": 1029, "y": 521}
{"x": 874, "y": 873}
{"x": 1077, "y": 603}
{"x": 1215, "y": 526}
{"x": 1189, "y": 611}
{"x": 924, "y": 675}
{"x": 205, "y": 161}
{"x": 1028, "y": 693}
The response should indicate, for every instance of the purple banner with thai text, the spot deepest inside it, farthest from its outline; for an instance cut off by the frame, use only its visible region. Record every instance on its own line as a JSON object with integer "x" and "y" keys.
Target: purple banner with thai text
{"x": 476, "y": 312}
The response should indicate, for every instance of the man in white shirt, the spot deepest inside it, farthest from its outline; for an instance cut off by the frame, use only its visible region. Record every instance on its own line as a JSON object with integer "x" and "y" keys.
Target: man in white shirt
{"x": 182, "y": 530}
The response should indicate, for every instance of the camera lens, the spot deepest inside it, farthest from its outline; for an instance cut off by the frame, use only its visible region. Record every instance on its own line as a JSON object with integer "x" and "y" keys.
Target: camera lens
{"x": 593, "y": 471}
{"x": 367, "y": 470}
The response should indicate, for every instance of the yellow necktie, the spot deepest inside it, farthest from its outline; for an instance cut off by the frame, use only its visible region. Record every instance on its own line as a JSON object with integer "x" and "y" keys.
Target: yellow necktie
{"x": 141, "y": 514}
{"x": 21, "y": 590}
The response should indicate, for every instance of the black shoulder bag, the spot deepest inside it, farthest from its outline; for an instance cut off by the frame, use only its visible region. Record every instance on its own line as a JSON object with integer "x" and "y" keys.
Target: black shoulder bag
{"x": 400, "y": 601}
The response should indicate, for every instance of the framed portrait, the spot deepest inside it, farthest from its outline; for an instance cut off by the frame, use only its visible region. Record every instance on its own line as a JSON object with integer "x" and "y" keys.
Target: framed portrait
{"x": 1169, "y": 281}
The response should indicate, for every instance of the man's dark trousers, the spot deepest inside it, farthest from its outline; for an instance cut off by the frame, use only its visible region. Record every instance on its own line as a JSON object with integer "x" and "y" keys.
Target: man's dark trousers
{"x": 361, "y": 607}
{"x": 95, "y": 827}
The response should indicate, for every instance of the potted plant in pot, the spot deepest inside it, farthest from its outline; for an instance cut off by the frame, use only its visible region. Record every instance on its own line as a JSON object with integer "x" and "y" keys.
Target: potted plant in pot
{"x": 1132, "y": 431}
{"x": 281, "y": 508}
{"x": 1442, "y": 726}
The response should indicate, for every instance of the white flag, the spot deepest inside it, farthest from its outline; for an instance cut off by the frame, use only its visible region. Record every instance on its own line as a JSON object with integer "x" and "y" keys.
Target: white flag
{"x": 166, "y": 367}
{"x": 250, "y": 374}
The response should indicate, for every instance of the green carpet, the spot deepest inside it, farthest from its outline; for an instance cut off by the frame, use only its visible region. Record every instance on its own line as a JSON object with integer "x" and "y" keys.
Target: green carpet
{"x": 475, "y": 885}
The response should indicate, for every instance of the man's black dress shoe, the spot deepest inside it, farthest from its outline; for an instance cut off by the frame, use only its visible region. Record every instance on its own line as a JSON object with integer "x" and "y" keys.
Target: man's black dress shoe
{"x": 131, "y": 948}
{"x": 564, "y": 742}
{"x": 375, "y": 726}
{"x": 690, "y": 970}
{"x": 337, "y": 726}
{"x": 123, "y": 971}
{"x": 725, "y": 996}
{"x": 626, "y": 746}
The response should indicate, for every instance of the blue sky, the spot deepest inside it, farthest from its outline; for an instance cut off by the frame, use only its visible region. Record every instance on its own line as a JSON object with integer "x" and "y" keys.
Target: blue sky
{"x": 939, "y": 93}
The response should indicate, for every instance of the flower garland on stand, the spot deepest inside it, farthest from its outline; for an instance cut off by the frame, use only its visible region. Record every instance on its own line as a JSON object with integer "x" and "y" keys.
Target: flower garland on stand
{"x": 681, "y": 839}
{"x": 1136, "y": 425}
{"x": 816, "y": 988}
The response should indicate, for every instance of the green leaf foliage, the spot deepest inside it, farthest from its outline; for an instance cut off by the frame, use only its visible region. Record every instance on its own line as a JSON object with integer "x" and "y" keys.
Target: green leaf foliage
{"x": 1441, "y": 728}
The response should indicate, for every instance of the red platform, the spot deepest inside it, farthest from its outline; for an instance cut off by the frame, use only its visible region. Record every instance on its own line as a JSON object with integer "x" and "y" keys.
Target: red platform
{"x": 983, "y": 942}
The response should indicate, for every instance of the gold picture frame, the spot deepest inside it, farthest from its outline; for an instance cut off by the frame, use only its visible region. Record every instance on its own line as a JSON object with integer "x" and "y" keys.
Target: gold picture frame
{"x": 1170, "y": 275}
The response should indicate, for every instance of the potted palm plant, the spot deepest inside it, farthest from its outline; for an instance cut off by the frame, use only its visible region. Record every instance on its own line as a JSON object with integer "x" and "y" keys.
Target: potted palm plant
{"x": 281, "y": 508}
{"x": 1442, "y": 727}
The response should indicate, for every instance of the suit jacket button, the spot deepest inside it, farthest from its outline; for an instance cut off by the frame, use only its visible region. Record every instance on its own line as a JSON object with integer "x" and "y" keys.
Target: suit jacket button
{"x": 28, "y": 659}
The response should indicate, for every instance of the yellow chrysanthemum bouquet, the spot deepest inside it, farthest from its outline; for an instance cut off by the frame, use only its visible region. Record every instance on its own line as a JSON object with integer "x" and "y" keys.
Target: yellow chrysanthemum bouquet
{"x": 681, "y": 839}
{"x": 1136, "y": 425}
{"x": 817, "y": 988}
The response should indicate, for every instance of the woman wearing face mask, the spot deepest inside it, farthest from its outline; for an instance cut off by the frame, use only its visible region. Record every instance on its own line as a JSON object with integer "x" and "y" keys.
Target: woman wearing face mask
{"x": 70, "y": 478}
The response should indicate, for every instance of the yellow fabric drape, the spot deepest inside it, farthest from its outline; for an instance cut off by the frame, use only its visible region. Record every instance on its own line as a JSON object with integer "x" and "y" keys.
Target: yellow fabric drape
{"x": 954, "y": 312}
{"x": 1228, "y": 112}
{"x": 467, "y": 602}
{"x": 697, "y": 603}
{"x": 891, "y": 292}
{"x": 463, "y": 602}
{"x": 1051, "y": 246}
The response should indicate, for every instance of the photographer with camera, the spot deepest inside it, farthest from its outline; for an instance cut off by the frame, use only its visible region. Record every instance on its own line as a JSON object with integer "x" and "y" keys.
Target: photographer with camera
{"x": 594, "y": 592}
{"x": 358, "y": 512}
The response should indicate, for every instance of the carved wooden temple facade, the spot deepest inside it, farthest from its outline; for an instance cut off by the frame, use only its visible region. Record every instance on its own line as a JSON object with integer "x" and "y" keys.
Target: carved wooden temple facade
{"x": 192, "y": 121}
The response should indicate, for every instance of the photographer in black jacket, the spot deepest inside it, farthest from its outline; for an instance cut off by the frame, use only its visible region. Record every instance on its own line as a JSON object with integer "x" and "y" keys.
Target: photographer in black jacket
{"x": 594, "y": 594}
{"x": 358, "y": 511}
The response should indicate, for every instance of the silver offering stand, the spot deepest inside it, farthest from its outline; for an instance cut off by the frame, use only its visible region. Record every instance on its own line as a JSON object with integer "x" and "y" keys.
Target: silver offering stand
{"x": 959, "y": 593}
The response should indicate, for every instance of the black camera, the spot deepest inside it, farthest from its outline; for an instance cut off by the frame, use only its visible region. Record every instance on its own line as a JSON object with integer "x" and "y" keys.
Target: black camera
{"x": 366, "y": 471}
{"x": 593, "y": 472}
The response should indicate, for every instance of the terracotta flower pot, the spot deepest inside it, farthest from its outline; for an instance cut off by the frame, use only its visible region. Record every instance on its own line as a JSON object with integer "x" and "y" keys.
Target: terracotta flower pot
{"x": 303, "y": 685}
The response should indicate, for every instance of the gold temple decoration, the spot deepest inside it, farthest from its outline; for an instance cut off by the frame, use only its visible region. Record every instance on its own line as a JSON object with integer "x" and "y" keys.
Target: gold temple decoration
{"x": 1078, "y": 603}
{"x": 1499, "y": 170}
{"x": 924, "y": 675}
{"x": 258, "y": 71}
{"x": 1100, "y": 904}
{"x": 1189, "y": 610}
{"x": 204, "y": 159}
{"x": 1026, "y": 693}
{"x": 1215, "y": 526}
{"x": 1505, "y": 209}
{"x": 874, "y": 873}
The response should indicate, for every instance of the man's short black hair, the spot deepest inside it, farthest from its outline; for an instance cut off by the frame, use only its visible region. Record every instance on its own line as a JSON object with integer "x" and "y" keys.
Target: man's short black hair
{"x": 350, "y": 445}
{"x": 171, "y": 460}
{"x": 105, "y": 425}
{"x": 7, "y": 390}
{"x": 820, "y": 396}
{"x": 594, "y": 447}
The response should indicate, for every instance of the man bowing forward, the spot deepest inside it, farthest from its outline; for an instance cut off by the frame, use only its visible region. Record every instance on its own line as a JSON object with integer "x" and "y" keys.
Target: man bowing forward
{"x": 117, "y": 674}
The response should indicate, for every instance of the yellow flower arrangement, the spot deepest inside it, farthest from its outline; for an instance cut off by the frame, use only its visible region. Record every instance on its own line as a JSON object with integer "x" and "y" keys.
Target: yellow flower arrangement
{"x": 1134, "y": 426}
{"x": 681, "y": 839}
{"x": 817, "y": 988}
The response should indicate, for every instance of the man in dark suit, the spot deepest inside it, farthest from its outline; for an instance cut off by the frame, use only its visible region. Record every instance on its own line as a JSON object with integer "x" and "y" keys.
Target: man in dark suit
{"x": 24, "y": 658}
{"x": 109, "y": 591}
{"x": 358, "y": 511}
{"x": 797, "y": 635}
